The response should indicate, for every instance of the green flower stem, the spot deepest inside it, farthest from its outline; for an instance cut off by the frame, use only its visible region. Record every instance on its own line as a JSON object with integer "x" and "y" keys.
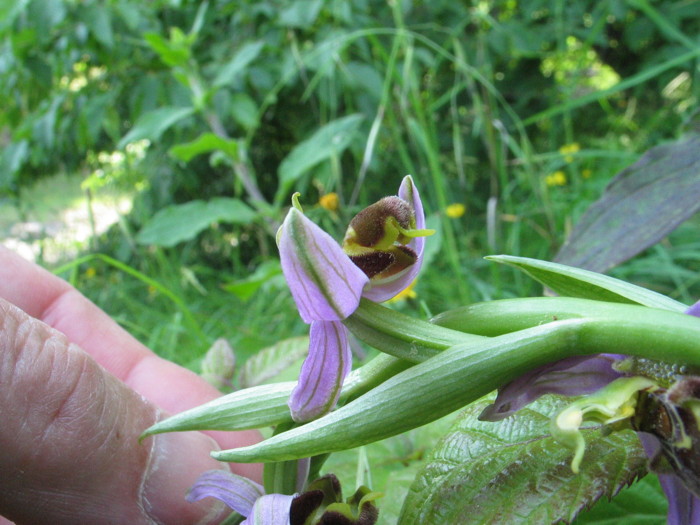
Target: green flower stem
{"x": 465, "y": 372}
{"x": 495, "y": 318}
{"x": 400, "y": 335}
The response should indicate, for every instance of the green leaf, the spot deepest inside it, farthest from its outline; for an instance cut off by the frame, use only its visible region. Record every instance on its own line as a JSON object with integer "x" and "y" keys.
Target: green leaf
{"x": 640, "y": 206}
{"x": 245, "y": 288}
{"x": 271, "y": 361}
{"x": 11, "y": 159}
{"x": 182, "y": 222}
{"x": 244, "y": 110}
{"x": 643, "y": 503}
{"x": 331, "y": 139}
{"x": 244, "y": 56}
{"x": 301, "y": 14}
{"x": 173, "y": 53}
{"x": 98, "y": 20}
{"x": 153, "y": 124}
{"x": 205, "y": 143}
{"x": 514, "y": 472}
{"x": 256, "y": 407}
{"x": 9, "y": 10}
{"x": 575, "y": 282}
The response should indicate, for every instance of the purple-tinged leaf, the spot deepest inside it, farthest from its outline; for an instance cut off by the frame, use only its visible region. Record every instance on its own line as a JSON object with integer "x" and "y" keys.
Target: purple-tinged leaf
{"x": 324, "y": 282}
{"x": 237, "y": 492}
{"x": 323, "y": 371}
{"x": 641, "y": 205}
{"x": 573, "y": 376}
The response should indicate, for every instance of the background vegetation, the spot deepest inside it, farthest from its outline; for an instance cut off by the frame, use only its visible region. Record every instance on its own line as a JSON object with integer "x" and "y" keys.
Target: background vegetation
{"x": 511, "y": 115}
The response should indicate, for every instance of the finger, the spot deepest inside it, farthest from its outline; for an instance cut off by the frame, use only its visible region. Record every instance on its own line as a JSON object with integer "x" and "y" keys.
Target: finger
{"x": 52, "y": 300}
{"x": 69, "y": 450}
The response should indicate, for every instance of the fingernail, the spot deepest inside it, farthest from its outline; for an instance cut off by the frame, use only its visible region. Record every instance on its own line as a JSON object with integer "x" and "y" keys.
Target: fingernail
{"x": 176, "y": 462}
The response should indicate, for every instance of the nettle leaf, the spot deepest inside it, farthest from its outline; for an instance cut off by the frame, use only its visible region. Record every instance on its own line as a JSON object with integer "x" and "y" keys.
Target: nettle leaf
{"x": 269, "y": 362}
{"x": 331, "y": 139}
{"x": 182, "y": 222}
{"x": 514, "y": 472}
{"x": 575, "y": 282}
{"x": 641, "y": 205}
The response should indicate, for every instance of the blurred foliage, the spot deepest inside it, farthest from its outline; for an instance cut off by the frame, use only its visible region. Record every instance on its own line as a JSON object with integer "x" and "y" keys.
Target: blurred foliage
{"x": 519, "y": 111}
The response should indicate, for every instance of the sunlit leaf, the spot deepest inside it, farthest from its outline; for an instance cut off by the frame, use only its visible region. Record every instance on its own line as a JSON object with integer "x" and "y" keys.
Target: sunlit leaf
{"x": 575, "y": 282}
{"x": 640, "y": 206}
{"x": 153, "y": 124}
{"x": 513, "y": 472}
{"x": 181, "y": 222}
{"x": 331, "y": 139}
{"x": 244, "y": 56}
{"x": 205, "y": 143}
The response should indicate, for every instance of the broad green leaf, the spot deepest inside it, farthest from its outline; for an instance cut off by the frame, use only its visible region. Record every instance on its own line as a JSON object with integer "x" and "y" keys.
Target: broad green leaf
{"x": 11, "y": 158}
{"x": 172, "y": 53}
{"x": 244, "y": 56}
{"x": 97, "y": 17}
{"x": 301, "y": 13}
{"x": 331, "y": 139}
{"x": 153, "y": 124}
{"x": 244, "y": 110}
{"x": 643, "y": 503}
{"x": 271, "y": 361}
{"x": 642, "y": 204}
{"x": 9, "y": 10}
{"x": 182, "y": 222}
{"x": 514, "y": 472}
{"x": 245, "y": 288}
{"x": 205, "y": 143}
{"x": 575, "y": 282}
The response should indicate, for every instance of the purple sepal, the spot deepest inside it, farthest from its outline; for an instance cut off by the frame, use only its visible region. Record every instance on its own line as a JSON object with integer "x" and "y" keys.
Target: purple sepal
{"x": 384, "y": 290}
{"x": 694, "y": 310}
{"x": 572, "y": 376}
{"x": 324, "y": 282}
{"x": 237, "y": 492}
{"x": 683, "y": 505}
{"x": 323, "y": 371}
{"x": 272, "y": 509}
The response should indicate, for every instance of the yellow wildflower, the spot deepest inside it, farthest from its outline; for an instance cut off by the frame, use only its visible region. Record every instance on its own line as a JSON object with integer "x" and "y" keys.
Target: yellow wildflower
{"x": 406, "y": 293}
{"x": 456, "y": 210}
{"x": 329, "y": 201}
{"x": 568, "y": 150}
{"x": 90, "y": 272}
{"x": 586, "y": 174}
{"x": 558, "y": 178}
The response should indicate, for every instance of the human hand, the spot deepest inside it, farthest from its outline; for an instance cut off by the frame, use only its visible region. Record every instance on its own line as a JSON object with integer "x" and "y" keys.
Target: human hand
{"x": 76, "y": 391}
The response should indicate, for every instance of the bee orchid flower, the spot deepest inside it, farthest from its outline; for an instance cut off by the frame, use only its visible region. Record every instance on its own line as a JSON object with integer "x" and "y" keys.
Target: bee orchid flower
{"x": 381, "y": 255}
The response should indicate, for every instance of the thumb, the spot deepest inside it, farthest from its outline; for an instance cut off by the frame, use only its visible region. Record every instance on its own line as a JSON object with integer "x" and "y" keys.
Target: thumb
{"x": 69, "y": 450}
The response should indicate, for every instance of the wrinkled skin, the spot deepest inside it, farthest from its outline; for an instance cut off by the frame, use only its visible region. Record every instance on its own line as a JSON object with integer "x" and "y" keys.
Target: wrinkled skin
{"x": 75, "y": 393}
